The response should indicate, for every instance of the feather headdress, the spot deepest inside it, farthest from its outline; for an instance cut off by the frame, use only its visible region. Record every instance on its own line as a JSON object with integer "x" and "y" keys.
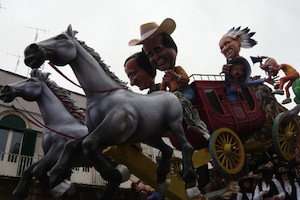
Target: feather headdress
{"x": 245, "y": 34}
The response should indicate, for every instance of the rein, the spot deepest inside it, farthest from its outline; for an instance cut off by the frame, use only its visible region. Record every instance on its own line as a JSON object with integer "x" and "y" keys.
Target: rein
{"x": 92, "y": 91}
{"x": 38, "y": 123}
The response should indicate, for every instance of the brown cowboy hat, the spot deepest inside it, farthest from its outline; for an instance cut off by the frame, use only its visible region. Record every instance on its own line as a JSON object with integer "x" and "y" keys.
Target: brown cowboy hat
{"x": 150, "y": 29}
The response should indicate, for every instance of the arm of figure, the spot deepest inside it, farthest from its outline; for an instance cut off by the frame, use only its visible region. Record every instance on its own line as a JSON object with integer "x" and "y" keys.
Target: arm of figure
{"x": 225, "y": 68}
{"x": 257, "y": 194}
{"x": 182, "y": 76}
{"x": 281, "y": 193}
{"x": 239, "y": 196}
{"x": 297, "y": 190}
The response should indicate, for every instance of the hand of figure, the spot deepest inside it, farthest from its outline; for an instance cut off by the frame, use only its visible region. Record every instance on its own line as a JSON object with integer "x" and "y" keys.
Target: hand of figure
{"x": 275, "y": 197}
{"x": 170, "y": 75}
{"x": 265, "y": 192}
{"x": 226, "y": 68}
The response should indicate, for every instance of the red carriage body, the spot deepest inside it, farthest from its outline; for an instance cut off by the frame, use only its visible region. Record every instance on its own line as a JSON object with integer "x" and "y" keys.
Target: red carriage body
{"x": 243, "y": 116}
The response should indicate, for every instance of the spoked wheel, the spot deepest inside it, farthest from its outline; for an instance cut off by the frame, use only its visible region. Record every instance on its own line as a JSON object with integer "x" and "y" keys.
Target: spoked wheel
{"x": 227, "y": 151}
{"x": 176, "y": 167}
{"x": 285, "y": 137}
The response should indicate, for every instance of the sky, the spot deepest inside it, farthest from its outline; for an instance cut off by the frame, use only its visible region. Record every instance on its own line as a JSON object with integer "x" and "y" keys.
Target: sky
{"x": 108, "y": 26}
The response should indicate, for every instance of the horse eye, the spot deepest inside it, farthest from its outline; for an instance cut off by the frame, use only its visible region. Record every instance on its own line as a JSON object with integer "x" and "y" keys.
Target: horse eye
{"x": 60, "y": 37}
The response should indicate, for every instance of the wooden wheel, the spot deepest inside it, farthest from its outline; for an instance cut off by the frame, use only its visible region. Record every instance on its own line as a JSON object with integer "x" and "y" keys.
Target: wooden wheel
{"x": 227, "y": 151}
{"x": 176, "y": 165}
{"x": 285, "y": 138}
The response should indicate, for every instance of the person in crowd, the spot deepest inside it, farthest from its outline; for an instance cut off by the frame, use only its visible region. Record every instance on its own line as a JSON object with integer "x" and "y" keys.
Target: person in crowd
{"x": 247, "y": 186}
{"x": 288, "y": 183}
{"x": 237, "y": 72}
{"x": 271, "y": 67}
{"x": 140, "y": 72}
{"x": 267, "y": 188}
{"x": 276, "y": 164}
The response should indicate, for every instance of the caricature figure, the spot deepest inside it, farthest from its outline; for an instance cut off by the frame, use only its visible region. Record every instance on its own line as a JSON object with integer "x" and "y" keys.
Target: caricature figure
{"x": 236, "y": 38}
{"x": 237, "y": 73}
{"x": 272, "y": 68}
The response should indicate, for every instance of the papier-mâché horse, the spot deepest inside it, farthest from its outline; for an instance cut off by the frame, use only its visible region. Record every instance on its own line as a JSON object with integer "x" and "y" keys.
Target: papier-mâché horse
{"x": 62, "y": 122}
{"x": 116, "y": 115}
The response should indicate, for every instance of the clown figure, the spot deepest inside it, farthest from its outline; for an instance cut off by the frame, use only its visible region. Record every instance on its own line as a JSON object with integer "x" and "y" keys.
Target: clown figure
{"x": 272, "y": 68}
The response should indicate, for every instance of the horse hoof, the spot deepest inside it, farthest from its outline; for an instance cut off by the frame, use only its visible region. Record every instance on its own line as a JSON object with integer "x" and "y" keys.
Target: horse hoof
{"x": 64, "y": 187}
{"x": 164, "y": 185}
{"x": 194, "y": 193}
{"x": 124, "y": 172}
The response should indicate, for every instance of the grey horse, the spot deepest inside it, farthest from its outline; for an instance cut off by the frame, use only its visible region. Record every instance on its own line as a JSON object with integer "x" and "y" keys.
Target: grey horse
{"x": 63, "y": 121}
{"x": 116, "y": 115}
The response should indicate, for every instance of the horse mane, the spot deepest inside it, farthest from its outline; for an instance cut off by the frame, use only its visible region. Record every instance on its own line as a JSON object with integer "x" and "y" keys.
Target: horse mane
{"x": 62, "y": 94}
{"x": 101, "y": 63}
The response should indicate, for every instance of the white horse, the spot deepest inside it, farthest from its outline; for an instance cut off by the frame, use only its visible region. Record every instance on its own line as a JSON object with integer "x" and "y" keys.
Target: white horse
{"x": 116, "y": 115}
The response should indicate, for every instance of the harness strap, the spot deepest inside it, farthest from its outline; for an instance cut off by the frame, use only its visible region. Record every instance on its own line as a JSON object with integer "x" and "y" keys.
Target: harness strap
{"x": 92, "y": 91}
{"x": 41, "y": 125}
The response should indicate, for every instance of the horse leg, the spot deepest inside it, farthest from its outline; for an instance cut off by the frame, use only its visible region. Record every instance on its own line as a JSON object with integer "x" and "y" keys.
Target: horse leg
{"x": 118, "y": 124}
{"x": 189, "y": 175}
{"x": 22, "y": 189}
{"x": 62, "y": 168}
{"x": 164, "y": 166}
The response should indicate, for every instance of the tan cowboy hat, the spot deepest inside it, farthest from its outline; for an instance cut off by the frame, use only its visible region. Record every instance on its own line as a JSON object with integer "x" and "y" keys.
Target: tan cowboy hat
{"x": 150, "y": 29}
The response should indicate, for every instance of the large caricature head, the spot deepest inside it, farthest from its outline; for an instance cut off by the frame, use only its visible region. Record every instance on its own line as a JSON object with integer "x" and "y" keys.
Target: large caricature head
{"x": 235, "y": 39}
{"x": 157, "y": 43}
{"x": 139, "y": 71}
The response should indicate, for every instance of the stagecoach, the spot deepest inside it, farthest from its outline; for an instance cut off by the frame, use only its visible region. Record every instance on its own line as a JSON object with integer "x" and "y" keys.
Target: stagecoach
{"x": 229, "y": 123}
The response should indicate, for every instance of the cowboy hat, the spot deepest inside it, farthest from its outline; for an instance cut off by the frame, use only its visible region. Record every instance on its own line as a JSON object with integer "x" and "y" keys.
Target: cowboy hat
{"x": 151, "y": 29}
{"x": 245, "y": 178}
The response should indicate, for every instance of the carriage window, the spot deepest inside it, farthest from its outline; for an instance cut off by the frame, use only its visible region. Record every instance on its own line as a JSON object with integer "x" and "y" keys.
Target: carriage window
{"x": 213, "y": 100}
{"x": 248, "y": 98}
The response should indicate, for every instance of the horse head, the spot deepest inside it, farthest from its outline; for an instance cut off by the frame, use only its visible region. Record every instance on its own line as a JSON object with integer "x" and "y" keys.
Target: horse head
{"x": 29, "y": 89}
{"x": 59, "y": 50}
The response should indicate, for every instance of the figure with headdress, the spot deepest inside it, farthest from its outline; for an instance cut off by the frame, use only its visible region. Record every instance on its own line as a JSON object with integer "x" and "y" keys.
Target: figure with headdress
{"x": 235, "y": 39}
{"x": 288, "y": 183}
{"x": 271, "y": 67}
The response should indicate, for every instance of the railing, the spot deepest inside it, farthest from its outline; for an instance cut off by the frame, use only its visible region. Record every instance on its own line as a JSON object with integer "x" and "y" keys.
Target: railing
{"x": 207, "y": 77}
{"x": 13, "y": 165}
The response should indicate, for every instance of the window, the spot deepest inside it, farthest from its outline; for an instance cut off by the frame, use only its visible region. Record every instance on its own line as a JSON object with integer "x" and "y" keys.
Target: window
{"x": 15, "y": 138}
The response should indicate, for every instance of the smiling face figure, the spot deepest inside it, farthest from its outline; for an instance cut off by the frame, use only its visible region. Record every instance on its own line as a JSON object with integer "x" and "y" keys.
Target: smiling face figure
{"x": 160, "y": 56}
{"x": 230, "y": 47}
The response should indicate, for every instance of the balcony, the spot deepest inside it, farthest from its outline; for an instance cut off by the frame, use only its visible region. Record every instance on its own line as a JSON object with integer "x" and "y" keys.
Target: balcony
{"x": 13, "y": 165}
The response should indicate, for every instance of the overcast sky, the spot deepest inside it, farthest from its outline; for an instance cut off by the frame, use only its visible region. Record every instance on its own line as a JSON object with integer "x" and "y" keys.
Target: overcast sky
{"x": 108, "y": 25}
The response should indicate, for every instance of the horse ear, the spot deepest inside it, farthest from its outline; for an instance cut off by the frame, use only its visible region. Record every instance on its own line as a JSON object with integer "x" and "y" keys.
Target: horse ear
{"x": 70, "y": 32}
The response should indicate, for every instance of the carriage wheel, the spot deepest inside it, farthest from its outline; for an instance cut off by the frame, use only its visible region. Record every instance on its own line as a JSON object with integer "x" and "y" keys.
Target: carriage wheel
{"x": 227, "y": 151}
{"x": 285, "y": 138}
{"x": 176, "y": 165}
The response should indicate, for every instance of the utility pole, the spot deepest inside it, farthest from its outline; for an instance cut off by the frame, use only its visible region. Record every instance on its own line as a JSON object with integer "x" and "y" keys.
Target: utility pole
{"x": 18, "y": 62}
{"x": 37, "y": 30}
